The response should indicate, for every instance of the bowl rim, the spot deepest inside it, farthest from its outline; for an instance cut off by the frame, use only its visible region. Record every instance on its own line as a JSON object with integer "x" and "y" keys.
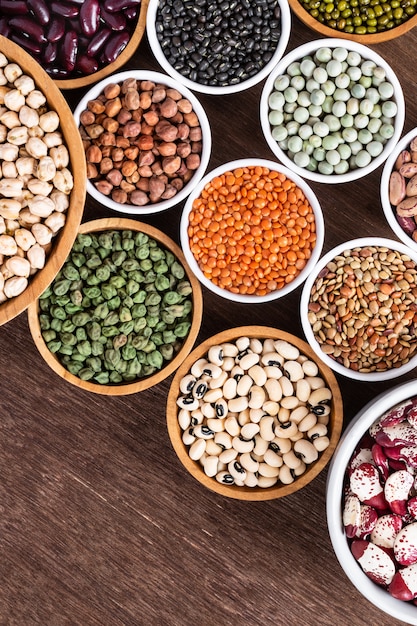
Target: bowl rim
{"x": 64, "y": 239}
{"x": 211, "y": 89}
{"x": 334, "y": 489}
{"x": 123, "y": 57}
{"x": 319, "y": 220}
{"x": 113, "y": 223}
{"x": 157, "y": 77}
{"x": 305, "y": 296}
{"x": 326, "y": 31}
{"x": 252, "y": 493}
{"x": 306, "y": 49}
{"x": 384, "y": 183}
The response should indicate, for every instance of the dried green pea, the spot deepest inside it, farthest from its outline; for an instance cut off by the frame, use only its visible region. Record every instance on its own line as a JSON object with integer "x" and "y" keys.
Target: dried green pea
{"x": 112, "y": 357}
{"x": 139, "y": 297}
{"x": 172, "y": 297}
{"x": 115, "y": 377}
{"x": 128, "y": 352}
{"x": 97, "y": 348}
{"x": 81, "y": 318}
{"x": 133, "y": 367}
{"x": 142, "y": 252}
{"x": 78, "y": 259}
{"x": 177, "y": 270}
{"x": 56, "y": 324}
{"x": 117, "y": 281}
{"x": 76, "y": 297}
{"x": 93, "y": 329}
{"x": 111, "y": 319}
{"x": 169, "y": 336}
{"x": 128, "y": 245}
{"x": 84, "y": 272}
{"x": 161, "y": 326}
{"x": 167, "y": 317}
{"x": 139, "y": 342}
{"x": 101, "y": 311}
{"x": 61, "y": 287}
{"x": 58, "y": 312}
{"x": 83, "y": 240}
{"x": 54, "y": 345}
{"x": 93, "y": 280}
{"x": 139, "y": 324}
{"x": 68, "y": 339}
{"x": 118, "y": 257}
{"x": 162, "y": 282}
{"x": 103, "y": 273}
{"x": 125, "y": 314}
{"x": 114, "y": 303}
{"x": 94, "y": 363}
{"x": 105, "y": 240}
{"x": 182, "y": 329}
{"x": 157, "y": 338}
{"x": 132, "y": 287}
{"x": 44, "y": 322}
{"x": 102, "y": 378}
{"x": 130, "y": 265}
{"x": 167, "y": 351}
{"x": 92, "y": 292}
{"x": 49, "y": 335}
{"x": 67, "y": 326}
{"x": 81, "y": 333}
{"x": 110, "y": 331}
{"x": 146, "y": 265}
{"x": 155, "y": 359}
{"x": 70, "y": 272}
{"x": 86, "y": 373}
{"x": 184, "y": 288}
{"x": 73, "y": 367}
{"x": 147, "y": 370}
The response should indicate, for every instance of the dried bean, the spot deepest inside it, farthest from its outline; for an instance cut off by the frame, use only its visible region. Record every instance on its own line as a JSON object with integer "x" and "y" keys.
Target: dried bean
{"x": 402, "y": 191}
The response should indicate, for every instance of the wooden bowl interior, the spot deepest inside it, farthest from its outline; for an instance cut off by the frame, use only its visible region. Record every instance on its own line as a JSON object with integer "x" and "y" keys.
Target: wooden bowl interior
{"x": 141, "y": 384}
{"x": 326, "y": 31}
{"x": 253, "y": 493}
{"x": 124, "y": 56}
{"x": 62, "y": 243}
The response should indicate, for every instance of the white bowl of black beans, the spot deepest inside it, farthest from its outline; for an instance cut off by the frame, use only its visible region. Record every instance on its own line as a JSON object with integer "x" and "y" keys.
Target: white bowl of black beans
{"x": 218, "y": 48}
{"x": 332, "y": 110}
{"x": 359, "y": 309}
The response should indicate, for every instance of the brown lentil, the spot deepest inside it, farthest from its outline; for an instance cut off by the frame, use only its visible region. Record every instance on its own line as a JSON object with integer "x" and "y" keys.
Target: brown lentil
{"x": 372, "y": 325}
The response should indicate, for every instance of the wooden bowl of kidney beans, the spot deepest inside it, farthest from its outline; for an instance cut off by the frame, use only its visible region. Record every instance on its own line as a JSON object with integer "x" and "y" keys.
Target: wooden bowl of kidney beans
{"x": 77, "y": 42}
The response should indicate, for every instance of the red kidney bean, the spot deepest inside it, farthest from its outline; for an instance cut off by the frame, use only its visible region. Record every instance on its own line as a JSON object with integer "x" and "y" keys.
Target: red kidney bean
{"x": 119, "y": 5}
{"x": 24, "y": 24}
{"x": 86, "y": 65}
{"x": 14, "y": 7}
{"x": 115, "y": 45}
{"x": 4, "y": 27}
{"x": 50, "y": 53}
{"x": 69, "y": 50}
{"x": 98, "y": 42}
{"x": 64, "y": 9}
{"x": 27, "y": 44}
{"x": 116, "y": 21}
{"x": 131, "y": 13}
{"x": 56, "y": 29}
{"x": 40, "y": 9}
{"x": 90, "y": 17}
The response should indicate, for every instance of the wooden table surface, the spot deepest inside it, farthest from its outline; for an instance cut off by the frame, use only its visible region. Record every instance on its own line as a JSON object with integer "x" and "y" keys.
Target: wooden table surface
{"x": 99, "y": 522}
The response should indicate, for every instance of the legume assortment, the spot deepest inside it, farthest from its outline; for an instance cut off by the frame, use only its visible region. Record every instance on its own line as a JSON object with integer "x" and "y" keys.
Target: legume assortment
{"x": 333, "y": 111}
{"x": 403, "y": 189}
{"x": 360, "y": 18}
{"x": 119, "y": 309}
{"x": 35, "y": 179}
{"x": 143, "y": 141}
{"x": 218, "y": 42}
{"x": 72, "y": 38}
{"x": 251, "y": 230}
{"x": 254, "y": 412}
{"x": 363, "y": 309}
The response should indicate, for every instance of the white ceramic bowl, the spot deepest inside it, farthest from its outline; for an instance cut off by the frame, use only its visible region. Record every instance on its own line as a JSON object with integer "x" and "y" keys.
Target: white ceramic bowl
{"x": 212, "y": 89}
{"x": 378, "y": 596}
{"x": 156, "y": 77}
{"x": 389, "y": 209}
{"x": 315, "y": 253}
{"x": 311, "y": 336}
{"x": 310, "y": 49}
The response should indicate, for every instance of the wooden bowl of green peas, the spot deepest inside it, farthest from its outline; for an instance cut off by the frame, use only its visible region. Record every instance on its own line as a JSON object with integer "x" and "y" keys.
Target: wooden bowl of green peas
{"x": 123, "y": 312}
{"x": 365, "y": 22}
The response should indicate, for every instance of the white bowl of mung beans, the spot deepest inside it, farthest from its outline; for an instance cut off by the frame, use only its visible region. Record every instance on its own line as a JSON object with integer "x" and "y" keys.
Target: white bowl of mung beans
{"x": 332, "y": 110}
{"x": 359, "y": 309}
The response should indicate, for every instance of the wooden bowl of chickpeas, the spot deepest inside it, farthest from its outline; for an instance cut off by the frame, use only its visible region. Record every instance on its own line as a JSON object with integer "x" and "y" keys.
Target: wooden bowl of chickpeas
{"x": 252, "y": 414}
{"x": 41, "y": 216}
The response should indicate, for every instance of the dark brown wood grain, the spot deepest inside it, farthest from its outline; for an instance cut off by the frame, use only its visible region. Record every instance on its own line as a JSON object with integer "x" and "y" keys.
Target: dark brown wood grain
{"x": 100, "y": 525}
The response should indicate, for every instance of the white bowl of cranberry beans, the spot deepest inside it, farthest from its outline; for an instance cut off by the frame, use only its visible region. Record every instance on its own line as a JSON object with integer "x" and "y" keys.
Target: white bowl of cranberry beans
{"x": 359, "y": 309}
{"x": 218, "y": 47}
{"x": 332, "y": 110}
{"x": 372, "y": 544}
{"x": 399, "y": 189}
{"x": 252, "y": 230}
{"x": 147, "y": 141}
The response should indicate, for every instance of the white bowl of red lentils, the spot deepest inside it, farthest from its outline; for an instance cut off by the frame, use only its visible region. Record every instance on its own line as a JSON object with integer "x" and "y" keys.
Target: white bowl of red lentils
{"x": 147, "y": 141}
{"x": 359, "y": 309}
{"x": 252, "y": 230}
{"x": 332, "y": 110}
{"x": 399, "y": 189}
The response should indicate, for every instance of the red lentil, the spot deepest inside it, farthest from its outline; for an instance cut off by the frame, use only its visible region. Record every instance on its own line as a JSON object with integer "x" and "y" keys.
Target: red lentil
{"x": 251, "y": 230}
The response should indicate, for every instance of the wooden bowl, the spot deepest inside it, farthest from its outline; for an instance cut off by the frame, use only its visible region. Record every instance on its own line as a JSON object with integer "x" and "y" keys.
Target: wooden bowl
{"x": 244, "y": 492}
{"x": 62, "y": 243}
{"x": 124, "y": 56}
{"x": 326, "y": 31}
{"x": 141, "y": 383}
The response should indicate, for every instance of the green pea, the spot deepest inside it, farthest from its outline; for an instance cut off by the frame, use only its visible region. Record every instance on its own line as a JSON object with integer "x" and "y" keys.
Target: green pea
{"x": 130, "y": 265}
{"x": 132, "y": 287}
{"x": 139, "y": 324}
{"x": 155, "y": 359}
{"x": 102, "y": 378}
{"x": 114, "y": 303}
{"x": 182, "y": 329}
{"x": 49, "y": 335}
{"x": 44, "y": 321}
{"x": 54, "y": 345}
{"x": 81, "y": 318}
{"x": 167, "y": 351}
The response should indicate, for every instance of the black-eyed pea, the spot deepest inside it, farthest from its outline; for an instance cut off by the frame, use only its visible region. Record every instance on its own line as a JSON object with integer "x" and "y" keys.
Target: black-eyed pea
{"x": 221, "y": 408}
{"x": 298, "y": 413}
{"x": 286, "y": 475}
{"x": 296, "y": 437}
{"x": 202, "y": 431}
{"x": 249, "y": 430}
{"x": 248, "y": 462}
{"x": 268, "y": 471}
{"x": 232, "y": 426}
{"x": 291, "y": 460}
{"x": 230, "y": 389}
{"x": 244, "y": 417}
{"x": 280, "y": 445}
{"x": 230, "y": 349}
{"x": 261, "y": 446}
{"x": 213, "y": 395}
{"x": 187, "y": 383}
{"x": 273, "y": 389}
{"x": 283, "y": 414}
{"x": 285, "y": 430}
{"x": 228, "y": 364}
{"x": 266, "y": 428}
{"x": 197, "y": 449}
{"x": 299, "y": 470}
{"x": 321, "y": 443}
{"x": 184, "y": 419}
{"x": 315, "y": 382}
{"x": 238, "y": 404}
{"x": 236, "y": 372}
{"x": 267, "y": 481}
{"x": 272, "y": 359}
{"x": 223, "y": 439}
{"x": 268, "y": 345}
{"x": 215, "y": 355}
{"x": 222, "y": 467}
{"x": 210, "y": 465}
{"x": 306, "y": 451}
{"x": 199, "y": 389}
{"x": 272, "y": 458}
{"x": 248, "y": 360}
{"x": 242, "y": 445}
{"x": 251, "y": 479}
{"x": 271, "y": 408}
{"x": 256, "y": 345}
{"x": 286, "y": 386}
{"x": 307, "y": 422}
{"x": 237, "y": 471}
{"x": 215, "y": 424}
{"x": 256, "y": 397}
{"x": 318, "y": 430}
{"x": 207, "y": 410}
{"x": 293, "y": 370}
{"x": 273, "y": 372}
{"x": 197, "y": 367}
{"x": 290, "y": 402}
{"x": 188, "y": 437}
{"x": 197, "y": 417}
{"x": 323, "y": 419}
{"x": 242, "y": 344}
{"x": 187, "y": 401}
{"x": 243, "y": 385}
{"x": 319, "y": 401}
{"x": 257, "y": 374}
{"x": 211, "y": 371}
{"x": 302, "y": 390}
{"x": 310, "y": 368}
{"x": 286, "y": 350}
{"x": 225, "y": 478}
{"x": 217, "y": 383}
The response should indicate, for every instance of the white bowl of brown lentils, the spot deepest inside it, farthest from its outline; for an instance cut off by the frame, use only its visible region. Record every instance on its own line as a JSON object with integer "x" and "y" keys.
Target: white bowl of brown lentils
{"x": 359, "y": 309}
{"x": 147, "y": 141}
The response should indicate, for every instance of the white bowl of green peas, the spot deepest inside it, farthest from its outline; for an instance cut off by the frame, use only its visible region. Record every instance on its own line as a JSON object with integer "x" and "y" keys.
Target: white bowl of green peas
{"x": 332, "y": 110}
{"x": 122, "y": 313}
